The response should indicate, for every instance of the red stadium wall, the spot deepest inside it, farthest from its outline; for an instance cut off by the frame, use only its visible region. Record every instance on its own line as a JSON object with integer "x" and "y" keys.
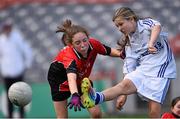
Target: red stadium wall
{"x": 7, "y": 3}
{"x": 175, "y": 45}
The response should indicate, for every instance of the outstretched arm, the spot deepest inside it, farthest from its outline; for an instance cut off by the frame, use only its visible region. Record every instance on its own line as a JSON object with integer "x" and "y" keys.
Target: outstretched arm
{"x": 75, "y": 101}
{"x": 72, "y": 77}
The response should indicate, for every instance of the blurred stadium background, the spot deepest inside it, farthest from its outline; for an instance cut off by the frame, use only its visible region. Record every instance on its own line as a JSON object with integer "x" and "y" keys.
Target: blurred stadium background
{"x": 38, "y": 20}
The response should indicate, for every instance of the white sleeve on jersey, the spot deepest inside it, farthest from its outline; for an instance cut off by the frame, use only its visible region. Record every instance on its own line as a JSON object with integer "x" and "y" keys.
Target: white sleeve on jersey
{"x": 149, "y": 23}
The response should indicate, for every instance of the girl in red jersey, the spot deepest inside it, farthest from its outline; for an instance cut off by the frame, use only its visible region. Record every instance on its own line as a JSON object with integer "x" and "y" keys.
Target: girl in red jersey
{"x": 175, "y": 110}
{"x": 73, "y": 63}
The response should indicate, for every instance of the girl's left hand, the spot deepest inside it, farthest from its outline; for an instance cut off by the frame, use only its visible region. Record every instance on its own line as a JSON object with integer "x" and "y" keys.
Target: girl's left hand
{"x": 152, "y": 50}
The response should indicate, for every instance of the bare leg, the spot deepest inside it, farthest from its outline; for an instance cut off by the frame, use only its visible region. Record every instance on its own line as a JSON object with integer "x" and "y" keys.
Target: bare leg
{"x": 125, "y": 87}
{"x": 61, "y": 109}
{"x": 95, "y": 112}
{"x": 154, "y": 109}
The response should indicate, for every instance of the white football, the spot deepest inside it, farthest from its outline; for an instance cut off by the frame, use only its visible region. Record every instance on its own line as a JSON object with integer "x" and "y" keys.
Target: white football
{"x": 20, "y": 93}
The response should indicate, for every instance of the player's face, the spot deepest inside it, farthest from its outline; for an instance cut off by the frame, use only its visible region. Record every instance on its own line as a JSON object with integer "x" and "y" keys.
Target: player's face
{"x": 80, "y": 42}
{"x": 176, "y": 109}
{"x": 125, "y": 26}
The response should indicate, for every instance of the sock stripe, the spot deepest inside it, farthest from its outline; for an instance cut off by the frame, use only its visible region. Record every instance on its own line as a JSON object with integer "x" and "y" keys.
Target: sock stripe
{"x": 99, "y": 98}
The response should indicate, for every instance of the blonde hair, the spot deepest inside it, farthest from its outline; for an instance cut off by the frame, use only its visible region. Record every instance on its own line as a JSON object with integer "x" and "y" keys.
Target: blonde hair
{"x": 124, "y": 13}
{"x": 69, "y": 30}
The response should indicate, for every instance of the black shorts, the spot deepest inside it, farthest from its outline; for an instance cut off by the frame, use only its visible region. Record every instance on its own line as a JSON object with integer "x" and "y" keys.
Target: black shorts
{"x": 56, "y": 76}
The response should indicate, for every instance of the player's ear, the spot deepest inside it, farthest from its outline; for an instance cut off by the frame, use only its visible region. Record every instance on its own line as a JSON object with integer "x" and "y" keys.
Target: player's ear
{"x": 131, "y": 19}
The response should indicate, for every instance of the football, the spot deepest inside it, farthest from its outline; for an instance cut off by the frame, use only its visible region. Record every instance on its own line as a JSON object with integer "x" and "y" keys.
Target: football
{"x": 20, "y": 93}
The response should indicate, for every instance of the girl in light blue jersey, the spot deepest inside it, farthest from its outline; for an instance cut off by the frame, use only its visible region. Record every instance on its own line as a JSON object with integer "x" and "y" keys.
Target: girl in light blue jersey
{"x": 149, "y": 64}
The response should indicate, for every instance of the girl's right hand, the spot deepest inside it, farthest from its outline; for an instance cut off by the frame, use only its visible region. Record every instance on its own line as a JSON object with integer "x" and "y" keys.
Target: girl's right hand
{"x": 123, "y": 54}
{"x": 121, "y": 101}
{"x": 75, "y": 102}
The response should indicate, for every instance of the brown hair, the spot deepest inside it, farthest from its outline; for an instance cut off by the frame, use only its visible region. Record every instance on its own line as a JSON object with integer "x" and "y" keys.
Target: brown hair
{"x": 123, "y": 41}
{"x": 124, "y": 13}
{"x": 70, "y": 30}
{"x": 174, "y": 101}
{"x": 63, "y": 40}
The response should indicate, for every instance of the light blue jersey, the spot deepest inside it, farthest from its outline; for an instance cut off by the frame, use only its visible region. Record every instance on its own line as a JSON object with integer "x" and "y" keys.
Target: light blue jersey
{"x": 150, "y": 73}
{"x": 161, "y": 64}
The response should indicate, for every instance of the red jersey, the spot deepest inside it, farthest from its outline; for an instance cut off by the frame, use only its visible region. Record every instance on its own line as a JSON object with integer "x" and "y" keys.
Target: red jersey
{"x": 168, "y": 115}
{"x": 74, "y": 62}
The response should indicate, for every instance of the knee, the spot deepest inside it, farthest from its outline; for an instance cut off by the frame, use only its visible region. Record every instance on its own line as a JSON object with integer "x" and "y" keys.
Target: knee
{"x": 97, "y": 114}
{"x": 154, "y": 109}
{"x": 128, "y": 86}
{"x": 154, "y": 114}
{"x": 124, "y": 85}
